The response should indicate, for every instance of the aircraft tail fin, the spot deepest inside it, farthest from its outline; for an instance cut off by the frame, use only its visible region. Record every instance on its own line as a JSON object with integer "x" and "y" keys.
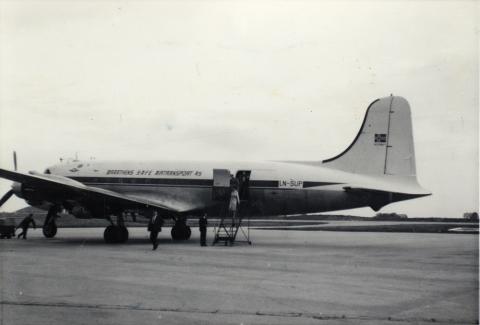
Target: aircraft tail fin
{"x": 384, "y": 144}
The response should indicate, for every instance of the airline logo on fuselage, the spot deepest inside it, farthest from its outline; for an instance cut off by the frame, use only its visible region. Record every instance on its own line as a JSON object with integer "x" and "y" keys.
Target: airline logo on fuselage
{"x": 151, "y": 172}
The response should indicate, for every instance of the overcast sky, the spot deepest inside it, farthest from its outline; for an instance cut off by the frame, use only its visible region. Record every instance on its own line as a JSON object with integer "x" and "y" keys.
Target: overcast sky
{"x": 249, "y": 80}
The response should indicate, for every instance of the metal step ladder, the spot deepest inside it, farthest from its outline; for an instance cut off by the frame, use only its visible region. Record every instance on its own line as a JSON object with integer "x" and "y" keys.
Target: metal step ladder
{"x": 228, "y": 227}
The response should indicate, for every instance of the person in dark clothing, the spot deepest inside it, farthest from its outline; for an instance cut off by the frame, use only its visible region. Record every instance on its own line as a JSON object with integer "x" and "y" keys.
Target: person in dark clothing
{"x": 243, "y": 186}
{"x": 202, "y": 225}
{"x": 25, "y": 224}
{"x": 155, "y": 226}
{"x": 234, "y": 183}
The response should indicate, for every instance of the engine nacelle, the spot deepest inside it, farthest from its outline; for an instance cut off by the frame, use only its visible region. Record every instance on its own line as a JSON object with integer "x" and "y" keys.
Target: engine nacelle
{"x": 81, "y": 212}
{"x": 31, "y": 195}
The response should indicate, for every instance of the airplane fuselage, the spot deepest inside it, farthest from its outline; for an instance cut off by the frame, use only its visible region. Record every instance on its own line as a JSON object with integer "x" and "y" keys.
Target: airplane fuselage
{"x": 275, "y": 188}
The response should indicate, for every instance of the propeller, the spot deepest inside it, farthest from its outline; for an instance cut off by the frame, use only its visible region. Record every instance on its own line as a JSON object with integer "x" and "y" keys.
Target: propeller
{"x": 6, "y": 197}
{"x": 15, "y": 160}
{"x": 9, "y": 194}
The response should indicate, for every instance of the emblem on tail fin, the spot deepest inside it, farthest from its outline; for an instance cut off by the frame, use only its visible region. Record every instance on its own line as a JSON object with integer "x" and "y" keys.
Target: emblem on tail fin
{"x": 380, "y": 138}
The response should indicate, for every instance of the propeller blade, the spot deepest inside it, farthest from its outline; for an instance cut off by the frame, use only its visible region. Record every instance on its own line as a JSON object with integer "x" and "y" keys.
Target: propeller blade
{"x": 14, "y": 162}
{"x": 6, "y": 197}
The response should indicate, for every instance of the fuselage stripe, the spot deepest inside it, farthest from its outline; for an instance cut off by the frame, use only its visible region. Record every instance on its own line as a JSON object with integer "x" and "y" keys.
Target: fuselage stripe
{"x": 181, "y": 182}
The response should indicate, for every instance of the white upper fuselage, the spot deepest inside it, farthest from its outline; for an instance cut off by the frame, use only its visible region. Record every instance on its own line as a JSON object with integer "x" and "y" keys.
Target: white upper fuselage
{"x": 275, "y": 187}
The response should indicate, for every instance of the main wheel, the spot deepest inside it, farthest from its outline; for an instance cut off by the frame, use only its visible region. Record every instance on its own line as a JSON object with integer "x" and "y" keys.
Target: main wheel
{"x": 175, "y": 232}
{"x": 122, "y": 234}
{"x": 115, "y": 234}
{"x": 109, "y": 235}
{"x": 181, "y": 232}
{"x": 49, "y": 230}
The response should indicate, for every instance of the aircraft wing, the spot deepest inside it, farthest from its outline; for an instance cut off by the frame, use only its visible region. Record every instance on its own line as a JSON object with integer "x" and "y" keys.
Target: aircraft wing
{"x": 58, "y": 188}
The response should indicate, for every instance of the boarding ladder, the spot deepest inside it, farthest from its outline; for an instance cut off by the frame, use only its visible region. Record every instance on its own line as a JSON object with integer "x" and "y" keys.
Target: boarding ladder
{"x": 229, "y": 227}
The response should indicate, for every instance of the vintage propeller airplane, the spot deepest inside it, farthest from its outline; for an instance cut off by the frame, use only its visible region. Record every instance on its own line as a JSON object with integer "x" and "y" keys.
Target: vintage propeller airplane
{"x": 378, "y": 168}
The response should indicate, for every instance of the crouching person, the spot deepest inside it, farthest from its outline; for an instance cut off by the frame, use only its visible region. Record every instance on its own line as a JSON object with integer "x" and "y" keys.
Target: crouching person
{"x": 25, "y": 224}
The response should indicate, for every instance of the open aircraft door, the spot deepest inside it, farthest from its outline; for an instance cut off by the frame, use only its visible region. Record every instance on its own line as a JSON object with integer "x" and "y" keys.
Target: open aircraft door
{"x": 221, "y": 185}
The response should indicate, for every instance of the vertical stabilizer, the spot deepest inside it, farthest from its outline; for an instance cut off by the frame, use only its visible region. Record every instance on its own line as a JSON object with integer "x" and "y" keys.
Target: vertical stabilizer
{"x": 384, "y": 144}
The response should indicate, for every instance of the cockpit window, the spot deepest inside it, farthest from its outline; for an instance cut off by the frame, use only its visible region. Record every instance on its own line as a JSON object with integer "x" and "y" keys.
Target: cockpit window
{"x": 47, "y": 171}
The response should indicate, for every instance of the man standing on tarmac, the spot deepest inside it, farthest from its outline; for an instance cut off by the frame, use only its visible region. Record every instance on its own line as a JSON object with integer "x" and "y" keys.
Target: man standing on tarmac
{"x": 202, "y": 225}
{"x": 155, "y": 226}
{"x": 25, "y": 224}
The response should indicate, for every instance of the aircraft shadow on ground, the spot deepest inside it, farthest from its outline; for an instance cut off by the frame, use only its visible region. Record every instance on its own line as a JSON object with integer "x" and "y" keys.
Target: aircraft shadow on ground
{"x": 145, "y": 241}
{"x": 93, "y": 241}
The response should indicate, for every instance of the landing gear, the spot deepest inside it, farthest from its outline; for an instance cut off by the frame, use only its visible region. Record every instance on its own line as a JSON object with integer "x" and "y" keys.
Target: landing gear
{"x": 49, "y": 228}
{"x": 115, "y": 234}
{"x": 180, "y": 231}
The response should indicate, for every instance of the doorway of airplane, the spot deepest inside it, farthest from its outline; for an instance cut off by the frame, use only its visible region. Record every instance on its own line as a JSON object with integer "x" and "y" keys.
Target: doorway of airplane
{"x": 221, "y": 185}
{"x": 243, "y": 177}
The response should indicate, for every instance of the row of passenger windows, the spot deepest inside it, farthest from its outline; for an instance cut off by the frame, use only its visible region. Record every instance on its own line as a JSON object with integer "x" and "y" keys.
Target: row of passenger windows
{"x": 114, "y": 180}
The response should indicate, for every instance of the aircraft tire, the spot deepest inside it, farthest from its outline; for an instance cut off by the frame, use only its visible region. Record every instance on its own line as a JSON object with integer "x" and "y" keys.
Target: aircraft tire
{"x": 188, "y": 233}
{"x": 49, "y": 230}
{"x": 122, "y": 234}
{"x": 181, "y": 232}
{"x": 175, "y": 233}
{"x": 109, "y": 235}
{"x": 115, "y": 235}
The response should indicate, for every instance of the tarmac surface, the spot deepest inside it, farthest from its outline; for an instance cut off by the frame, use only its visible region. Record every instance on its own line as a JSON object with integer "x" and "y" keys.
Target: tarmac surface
{"x": 285, "y": 277}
